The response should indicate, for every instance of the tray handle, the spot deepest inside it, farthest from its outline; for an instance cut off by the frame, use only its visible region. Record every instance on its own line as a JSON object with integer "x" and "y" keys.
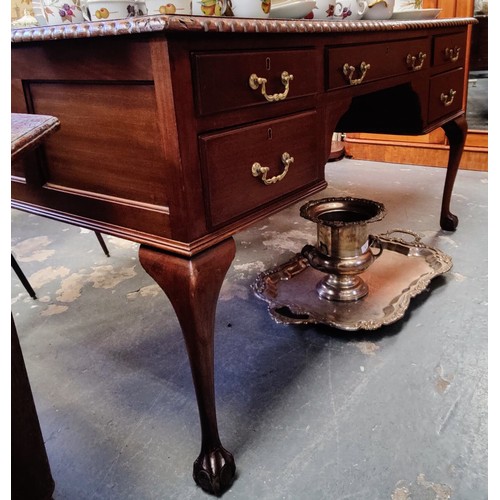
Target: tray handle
{"x": 284, "y": 314}
{"x": 417, "y": 238}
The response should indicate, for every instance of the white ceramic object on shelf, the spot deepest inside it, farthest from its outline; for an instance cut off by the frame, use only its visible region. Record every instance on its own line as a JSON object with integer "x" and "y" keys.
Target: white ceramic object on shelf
{"x": 415, "y": 15}
{"x": 157, "y": 7}
{"x": 400, "y": 5}
{"x": 52, "y": 12}
{"x": 111, "y": 10}
{"x": 340, "y": 10}
{"x": 232, "y": 8}
{"x": 378, "y": 10}
{"x": 292, "y": 10}
{"x": 25, "y": 21}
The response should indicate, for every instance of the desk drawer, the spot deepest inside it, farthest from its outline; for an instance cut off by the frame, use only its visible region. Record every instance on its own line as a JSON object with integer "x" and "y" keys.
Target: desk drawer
{"x": 228, "y": 158}
{"x": 384, "y": 60}
{"x": 221, "y": 80}
{"x": 446, "y": 94}
{"x": 449, "y": 50}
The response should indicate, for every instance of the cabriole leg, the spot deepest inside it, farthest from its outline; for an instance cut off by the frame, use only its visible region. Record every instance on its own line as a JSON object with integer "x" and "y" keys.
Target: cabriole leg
{"x": 456, "y": 132}
{"x": 193, "y": 285}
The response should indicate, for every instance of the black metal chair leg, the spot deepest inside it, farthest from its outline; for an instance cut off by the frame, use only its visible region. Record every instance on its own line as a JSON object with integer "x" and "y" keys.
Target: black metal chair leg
{"x": 102, "y": 243}
{"x": 21, "y": 276}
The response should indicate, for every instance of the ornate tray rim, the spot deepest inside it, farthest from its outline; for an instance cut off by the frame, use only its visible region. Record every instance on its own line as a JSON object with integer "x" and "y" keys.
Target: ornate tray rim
{"x": 439, "y": 263}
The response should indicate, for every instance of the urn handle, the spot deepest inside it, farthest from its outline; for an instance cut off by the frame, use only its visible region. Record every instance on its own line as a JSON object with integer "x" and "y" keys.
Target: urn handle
{"x": 374, "y": 242}
{"x": 317, "y": 260}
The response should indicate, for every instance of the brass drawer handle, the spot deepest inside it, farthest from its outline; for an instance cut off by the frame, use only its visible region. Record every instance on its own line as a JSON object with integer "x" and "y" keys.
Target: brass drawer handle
{"x": 256, "y": 81}
{"x": 259, "y": 170}
{"x": 349, "y": 72}
{"x": 447, "y": 99}
{"x": 415, "y": 63}
{"x": 452, "y": 54}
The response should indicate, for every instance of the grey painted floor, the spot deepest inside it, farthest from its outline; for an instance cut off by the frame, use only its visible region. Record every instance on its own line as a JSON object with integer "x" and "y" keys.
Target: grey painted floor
{"x": 310, "y": 412}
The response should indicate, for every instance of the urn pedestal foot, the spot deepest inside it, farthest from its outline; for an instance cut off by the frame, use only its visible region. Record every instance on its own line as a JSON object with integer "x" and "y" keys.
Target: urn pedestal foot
{"x": 345, "y": 288}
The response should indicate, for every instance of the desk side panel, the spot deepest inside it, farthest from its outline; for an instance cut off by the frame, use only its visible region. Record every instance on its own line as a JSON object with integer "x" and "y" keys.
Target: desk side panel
{"x": 107, "y": 164}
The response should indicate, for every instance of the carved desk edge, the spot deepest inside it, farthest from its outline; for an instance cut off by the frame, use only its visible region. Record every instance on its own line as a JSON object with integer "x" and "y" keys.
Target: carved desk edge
{"x": 176, "y": 23}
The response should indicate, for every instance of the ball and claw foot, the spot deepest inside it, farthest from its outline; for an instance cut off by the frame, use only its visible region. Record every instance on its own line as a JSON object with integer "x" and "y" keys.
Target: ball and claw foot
{"x": 449, "y": 222}
{"x": 214, "y": 471}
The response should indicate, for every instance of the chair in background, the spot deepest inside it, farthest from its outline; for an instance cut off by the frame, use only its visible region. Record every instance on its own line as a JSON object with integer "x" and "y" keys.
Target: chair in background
{"x": 31, "y": 476}
{"x": 28, "y": 131}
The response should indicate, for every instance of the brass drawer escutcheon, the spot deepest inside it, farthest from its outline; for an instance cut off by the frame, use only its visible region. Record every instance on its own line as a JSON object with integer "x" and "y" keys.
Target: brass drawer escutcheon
{"x": 447, "y": 99}
{"x": 259, "y": 170}
{"x": 415, "y": 63}
{"x": 349, "y": 72}
{"x": 452, "y": 54}
{"x": 256, "y": 81}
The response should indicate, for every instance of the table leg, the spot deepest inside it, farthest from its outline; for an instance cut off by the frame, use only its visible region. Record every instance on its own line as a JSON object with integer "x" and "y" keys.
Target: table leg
{"x": 456, "y": 132}
{"x": 193, "y": 285}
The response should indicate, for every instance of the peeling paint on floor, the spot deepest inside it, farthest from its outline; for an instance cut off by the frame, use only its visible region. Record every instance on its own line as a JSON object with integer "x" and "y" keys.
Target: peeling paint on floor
{"x": 120, "y": 243}
{"x": 401, "y": 493}
{"x": 292, "y": 240}
{"x": 442, "y": 491}
{"x": 422, "y": 488}
{"x": 442, "y": 382}
{"x": 368, "y": 348}
{"x": 459, "y": 277}
{"x": 109, "y": 277}
{"x": 54, "y": 309}
{"x": 33, "y": 249}
{"x": 71, "y": 287}
{"x": 71, "y": 284}
{"x": 447, "y": 240}
{"x": 145, "y": 291}
{"x": 48, "y": 275}
{"x": 18, "y": 297}
{"x": 250, "y": 267}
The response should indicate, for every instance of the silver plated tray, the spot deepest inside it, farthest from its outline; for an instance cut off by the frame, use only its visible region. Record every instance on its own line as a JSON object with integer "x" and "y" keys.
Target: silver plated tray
{"x": 404, "y": 270}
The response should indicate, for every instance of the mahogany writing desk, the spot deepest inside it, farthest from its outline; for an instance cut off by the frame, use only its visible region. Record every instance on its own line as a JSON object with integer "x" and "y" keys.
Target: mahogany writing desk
{"x": 177, "y": 132}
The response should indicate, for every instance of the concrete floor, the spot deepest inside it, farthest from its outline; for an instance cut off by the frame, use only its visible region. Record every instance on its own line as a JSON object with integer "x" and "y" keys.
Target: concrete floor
{"x": 309, "y": 412}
